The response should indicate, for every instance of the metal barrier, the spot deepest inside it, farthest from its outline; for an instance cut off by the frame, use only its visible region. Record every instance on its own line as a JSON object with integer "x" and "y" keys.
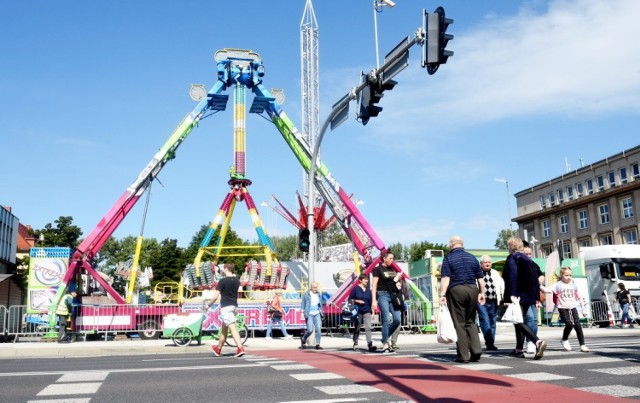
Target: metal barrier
{"x": 418, "y": 317}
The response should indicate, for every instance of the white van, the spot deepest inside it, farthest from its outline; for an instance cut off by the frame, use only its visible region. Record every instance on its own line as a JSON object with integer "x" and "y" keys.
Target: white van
{"x": 608, "y": 265}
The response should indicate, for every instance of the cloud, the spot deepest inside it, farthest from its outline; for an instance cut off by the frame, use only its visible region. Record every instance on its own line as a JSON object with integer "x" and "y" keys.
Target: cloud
{"x": 576, "y": 58}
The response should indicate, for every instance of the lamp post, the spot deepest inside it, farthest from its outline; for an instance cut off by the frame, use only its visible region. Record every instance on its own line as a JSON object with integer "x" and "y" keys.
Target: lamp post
{"x": 506, "y": 182}
{"x": 377, "y": 8}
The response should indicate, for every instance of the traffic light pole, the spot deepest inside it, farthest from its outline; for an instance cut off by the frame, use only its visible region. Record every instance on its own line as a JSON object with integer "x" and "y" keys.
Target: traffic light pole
{"x": 395, "y": 61}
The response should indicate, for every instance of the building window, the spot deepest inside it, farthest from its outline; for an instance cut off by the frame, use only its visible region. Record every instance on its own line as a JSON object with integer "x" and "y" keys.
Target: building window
{"x": 604, "y": 214}
{"x": 543, "y": 201}
{"x": 564, "y": 224}
{"x": 622, "y": 172}
{"x": 560, "y": 196}
{"x": 579, "y": 189}
{"x": 635, "y": 170}
{"x": 546, "y": 228}
{"x": 606, "y": 239}
{"x": 589, "y": 183}
{"x": 627, "y": 207}
{"x": 569, "y": 193}
{"x": 566, "y": 249}
{"x": 552, "y": 199}
{"x": 584, "y": 242}
{"x": 583, "y": 219}
{"x": 546, "y": 250}
{"x": 630, "y": 236}
{"x": 612, "y": 179}
{"x": 600, "y": 182}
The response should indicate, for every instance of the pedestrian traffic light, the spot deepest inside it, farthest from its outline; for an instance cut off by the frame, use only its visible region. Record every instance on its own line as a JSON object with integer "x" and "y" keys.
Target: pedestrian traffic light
{"x": 370, "y": 96}
{"x": 435, "y": 53}
{"x": 303, "y": 240}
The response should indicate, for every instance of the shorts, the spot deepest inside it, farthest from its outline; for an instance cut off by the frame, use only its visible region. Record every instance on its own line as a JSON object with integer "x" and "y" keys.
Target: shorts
{"x": 228, "y": 315}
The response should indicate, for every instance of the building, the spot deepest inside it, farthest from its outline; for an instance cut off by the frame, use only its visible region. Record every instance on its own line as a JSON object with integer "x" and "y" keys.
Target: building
{"x": 593, "y": 205}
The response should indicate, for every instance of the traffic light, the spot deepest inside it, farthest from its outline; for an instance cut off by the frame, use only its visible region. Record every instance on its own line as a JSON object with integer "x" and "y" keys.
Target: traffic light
{"x": 370, "y": 96}
{"x": 437, "y": 39}
{"x": 303, "y": 240}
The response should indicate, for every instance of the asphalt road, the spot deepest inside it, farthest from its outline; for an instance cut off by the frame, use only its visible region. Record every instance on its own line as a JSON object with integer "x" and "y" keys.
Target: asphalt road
{"x": 280, "y": 372}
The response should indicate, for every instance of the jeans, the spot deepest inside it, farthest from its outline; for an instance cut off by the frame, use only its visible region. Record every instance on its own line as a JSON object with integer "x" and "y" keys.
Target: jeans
{"x": 487, "y": 315}
{"x": 625, "y": 314}
{"x": 386, "y": 308}
{"x": 531, "y": 319}
{"x": 314, "y": 325}
{"x": 282, "y": 326}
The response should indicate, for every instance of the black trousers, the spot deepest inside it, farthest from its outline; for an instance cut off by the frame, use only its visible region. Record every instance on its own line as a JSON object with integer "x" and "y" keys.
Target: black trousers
{"x": 462, "y": 300}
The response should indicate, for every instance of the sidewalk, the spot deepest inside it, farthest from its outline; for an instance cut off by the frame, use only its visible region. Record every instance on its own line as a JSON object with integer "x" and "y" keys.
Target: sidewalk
{"x": 24, "y": 348}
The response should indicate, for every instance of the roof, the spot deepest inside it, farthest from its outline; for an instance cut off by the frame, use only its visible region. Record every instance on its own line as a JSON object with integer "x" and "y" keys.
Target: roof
{"x": 25, "y": 240}
{"x": 4, "y": 277}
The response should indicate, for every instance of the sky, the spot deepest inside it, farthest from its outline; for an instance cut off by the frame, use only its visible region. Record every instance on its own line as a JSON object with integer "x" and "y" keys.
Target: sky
{"x": 89, "y": 91}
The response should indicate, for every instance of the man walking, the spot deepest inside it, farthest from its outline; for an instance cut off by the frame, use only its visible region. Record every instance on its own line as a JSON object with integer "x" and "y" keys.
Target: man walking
{"x": 461, "y": 276}
{"x": 488, "y": 313}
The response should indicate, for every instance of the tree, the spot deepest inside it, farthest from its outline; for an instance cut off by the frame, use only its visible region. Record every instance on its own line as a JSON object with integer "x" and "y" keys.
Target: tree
{"x": 399, "y": 251}
{"x": 417, "y": 250}
{"x": 63, "y": 234}
{"x": 231, "y": 239}
{"x": 503, "y": 236}
{"x": 286, "y": 246}
{"x": 334, "y": 235}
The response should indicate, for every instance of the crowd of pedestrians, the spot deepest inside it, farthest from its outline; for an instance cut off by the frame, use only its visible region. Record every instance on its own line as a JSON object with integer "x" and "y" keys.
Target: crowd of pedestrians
{"x": 472, "y": 290}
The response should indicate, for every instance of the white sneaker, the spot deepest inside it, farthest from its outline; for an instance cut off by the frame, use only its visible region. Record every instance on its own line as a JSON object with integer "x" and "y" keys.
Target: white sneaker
{"x": 584, "y": 348}
{"x": 287, "y": 337}
{"x": 531, "y": 348}
{"x": 268, "y": 338}
{"x": 566, "y": 345}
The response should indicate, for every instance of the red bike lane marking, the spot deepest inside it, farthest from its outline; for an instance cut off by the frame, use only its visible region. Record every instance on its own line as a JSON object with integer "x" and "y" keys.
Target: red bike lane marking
{"x": 419, "y": 380}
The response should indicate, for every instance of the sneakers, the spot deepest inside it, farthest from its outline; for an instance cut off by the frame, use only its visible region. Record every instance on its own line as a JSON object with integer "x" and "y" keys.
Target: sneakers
{"x": 584, "y": 348}
{"x": 287, "y": 337}
{"x": 492, "y": 348}
{"x": 394, "y": 346}
{"x": 531, "y": 348}
{"x": 268, "y": 338}
{"x": 303, "y": 343}
{"x": 239, "y": 352}
{"x": 318, "y": 347}
{"x": 387, "y": 350}
{"x": 216, "y": 351}
{"x": 541, "y": 345}
{"x": 355, "y": 347}
{"x": 566, "y": 345}
{"x": 371, "y": 347}
{"x": 517, "y": 354}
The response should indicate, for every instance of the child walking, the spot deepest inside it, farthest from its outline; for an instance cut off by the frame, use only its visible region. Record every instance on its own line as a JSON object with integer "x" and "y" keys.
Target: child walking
{"x": 568, "y": 297}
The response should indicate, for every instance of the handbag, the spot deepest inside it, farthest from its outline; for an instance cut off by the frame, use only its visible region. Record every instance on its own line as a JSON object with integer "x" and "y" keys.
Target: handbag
{"x": 446, "y": 332}
{"x": 513, "y": 314}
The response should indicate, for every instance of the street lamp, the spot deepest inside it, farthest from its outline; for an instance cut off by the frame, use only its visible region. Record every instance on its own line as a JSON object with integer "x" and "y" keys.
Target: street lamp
{"x": 506, "y": 182}
{"x": 377, "y": 8}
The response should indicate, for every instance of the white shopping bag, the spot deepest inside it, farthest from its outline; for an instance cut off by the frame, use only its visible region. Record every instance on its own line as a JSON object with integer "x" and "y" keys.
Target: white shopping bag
{"x": 446, "y": 333}
{"x": 513, "y": 314}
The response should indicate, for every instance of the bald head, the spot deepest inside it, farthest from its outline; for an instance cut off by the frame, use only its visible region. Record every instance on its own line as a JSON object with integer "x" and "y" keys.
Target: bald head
{"x": 456, "y": 241}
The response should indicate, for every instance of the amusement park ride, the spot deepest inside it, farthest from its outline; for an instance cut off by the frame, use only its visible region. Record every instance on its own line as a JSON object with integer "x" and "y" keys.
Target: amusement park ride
{"x": 243, "y": 70}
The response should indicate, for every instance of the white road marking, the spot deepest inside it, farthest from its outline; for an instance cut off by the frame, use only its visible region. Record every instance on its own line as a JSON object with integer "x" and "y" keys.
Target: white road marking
{"x": 540, "y": 376}
{"x": 288, "y": 367}
{"x": 66, "y": 389}
{"x": 347, "y": 389}
{"x": 316, "y": 376}
{"x": 83, "y": 377}
{"x": 613, "y": 390}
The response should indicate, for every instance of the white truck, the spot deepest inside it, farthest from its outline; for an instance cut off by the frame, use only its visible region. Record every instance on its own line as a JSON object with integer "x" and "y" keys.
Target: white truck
{"x": 607, "y": 266}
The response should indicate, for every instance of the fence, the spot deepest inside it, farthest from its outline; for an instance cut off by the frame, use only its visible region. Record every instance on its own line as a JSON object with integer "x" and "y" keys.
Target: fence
{"x": 418, "y": 317}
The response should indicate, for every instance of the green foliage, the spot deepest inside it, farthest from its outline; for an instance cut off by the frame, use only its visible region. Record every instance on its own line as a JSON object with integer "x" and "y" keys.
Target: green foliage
{"x": 417, "y": 250}
{"x": 334, "y": 235}
{"x": 63, "y": 234}
{"x": 503, "y": 236}
{"x": 286, "y": 246}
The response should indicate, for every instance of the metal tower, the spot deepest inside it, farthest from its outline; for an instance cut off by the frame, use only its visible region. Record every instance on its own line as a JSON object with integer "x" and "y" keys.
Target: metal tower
{"x": 310, "y": 75}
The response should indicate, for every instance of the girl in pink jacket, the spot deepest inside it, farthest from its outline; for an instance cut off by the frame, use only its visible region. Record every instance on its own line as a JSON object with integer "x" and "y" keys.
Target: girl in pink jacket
{"x": 567, "y": 296}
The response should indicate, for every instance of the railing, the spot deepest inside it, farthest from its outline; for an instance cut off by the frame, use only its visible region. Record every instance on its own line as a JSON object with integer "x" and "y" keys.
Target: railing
{"x": 418, "y": 317}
